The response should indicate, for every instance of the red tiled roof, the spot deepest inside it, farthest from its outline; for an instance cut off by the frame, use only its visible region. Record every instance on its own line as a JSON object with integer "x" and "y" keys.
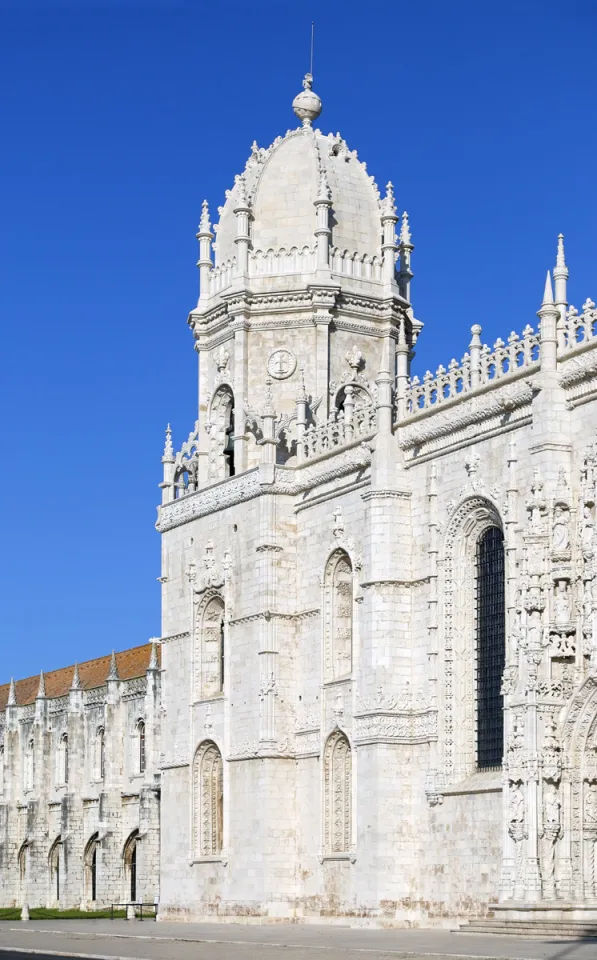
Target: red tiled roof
{"x": 93, "y": 673}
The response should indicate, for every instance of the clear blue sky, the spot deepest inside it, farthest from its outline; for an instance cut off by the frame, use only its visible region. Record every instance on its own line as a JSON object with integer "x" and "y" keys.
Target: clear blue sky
{"x": 118, "y": 118}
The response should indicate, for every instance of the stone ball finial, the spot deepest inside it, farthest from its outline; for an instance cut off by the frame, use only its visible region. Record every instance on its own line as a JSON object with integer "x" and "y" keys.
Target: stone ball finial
{"x": 307, "y": 105}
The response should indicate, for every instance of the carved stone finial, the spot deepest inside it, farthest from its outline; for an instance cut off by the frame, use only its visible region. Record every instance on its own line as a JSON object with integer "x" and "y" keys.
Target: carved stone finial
{"x": 324, "y": 194}
{"x": 302, "y": 394}
{"x": 204, "y": 223}
{"x": 560, "y": 268}
{"x": 388, "y": 204}
{"x": 268, "y": 409}
{"x": 12, "y": 694}
{"x": 41, "y": 690}
{"x": 113, "y": 671}
{"x": 405, "y": 234}
{"x": 76, "y": 682}
{"x": 354, "y": 359}
{"x": 307, "y": 105}
{"x": 242, "y": 202}
{"x": 168, "y": 448}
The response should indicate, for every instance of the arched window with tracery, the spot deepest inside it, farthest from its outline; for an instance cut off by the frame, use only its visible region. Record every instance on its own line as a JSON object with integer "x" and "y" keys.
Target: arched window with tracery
{"x": 91, "y": 868}
{"x": 474, "y": 639}
{"x": 210, "y": 653}
{"x": 220, "y": 428}
{"x": 208, "y": 801}
{"x": 141, "y": 755}
{"x": 338, "y": 616}
{"x": 337, "y": 801}
{"x": 491, "y": 647}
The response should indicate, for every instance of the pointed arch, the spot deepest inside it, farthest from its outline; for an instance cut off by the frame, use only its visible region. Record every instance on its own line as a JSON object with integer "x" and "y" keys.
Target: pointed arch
{"x": 220, "y": 427}
{"x": 338, "y": 615}
{"x": 208, "y": 801}
{"x": 464, "y": 644}
{"x": 210, "y": 646}
{"x": 337, "y": 794}
{"x": 54, "y": 869}
{"x": 90, "y": 861}
{"x": 130, "y": 873}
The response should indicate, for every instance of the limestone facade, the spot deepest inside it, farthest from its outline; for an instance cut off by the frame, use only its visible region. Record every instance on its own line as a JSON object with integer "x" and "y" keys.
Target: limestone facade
{"x": 379, "y": 610}
{"x": 377, "y": 696}
{"x": 79, "y": 784}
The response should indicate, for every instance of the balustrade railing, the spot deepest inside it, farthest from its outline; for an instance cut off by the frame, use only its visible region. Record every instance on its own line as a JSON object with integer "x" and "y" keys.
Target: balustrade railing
{"x": 482, "y": 365}
{"x": 577, "y": 328}
{"x": 338, "y": 431}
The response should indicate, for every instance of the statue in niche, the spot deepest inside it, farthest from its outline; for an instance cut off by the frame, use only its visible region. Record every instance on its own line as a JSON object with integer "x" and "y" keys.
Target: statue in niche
{"x": 516, "y": 812}
{"x": 561, "y": 530}
{"x": 587, "y": 530}
{"x": 562, "y": 602}
{"x": 551, "y": 806}
{"x": 591, "y": 803}
{"x": 551, "y": 832}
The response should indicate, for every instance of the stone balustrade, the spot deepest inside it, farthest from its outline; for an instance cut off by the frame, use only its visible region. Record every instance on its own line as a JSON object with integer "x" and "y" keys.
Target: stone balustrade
{"x": 480, "y": 366}
{"x": 339, "y": 430}
{"x": 578, "y": 328}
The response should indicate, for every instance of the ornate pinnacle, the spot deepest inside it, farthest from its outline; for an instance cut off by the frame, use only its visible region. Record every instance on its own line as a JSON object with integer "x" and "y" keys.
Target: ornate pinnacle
{"x": 388, "y": 204}
{"x": 168, "y": 448}
{"x": 153, "y": 660}
{"x": 113, "y": 671}
{"x": 204, "y": 224}
{"x": 41, "y": 690}
{"x": 242, "y": 202}
{"x": 12, "y": 694}
{"x": 302, "y": 394}
{"x": 76, "y": 684}
{"x": 324, "y": 194}
{"x": 405, "y": 235}
{"x": 560, "y": 269}
{"x": 268, "y": 409}
{"x": 547, "y": 293}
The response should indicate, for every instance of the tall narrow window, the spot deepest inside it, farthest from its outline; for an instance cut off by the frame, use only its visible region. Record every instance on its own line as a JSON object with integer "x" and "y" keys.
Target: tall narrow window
{"x": 63, "y": 759}
{"x": 29, "y": 765}
{"x": 130, "y": 866}
{"x": 91, "y": 870}
{"x": 208, "y": 787}
{"x": 491, "y": 647}
{"x": 210, "y": 660}
{"x": 2, "y": 768}
{"x": 337, "y": 778}
{"x": 100, "y": 746}
{"x": 141, "y": 736}
{"x": 55, "y": 869}
{"x": 338, "y": 616}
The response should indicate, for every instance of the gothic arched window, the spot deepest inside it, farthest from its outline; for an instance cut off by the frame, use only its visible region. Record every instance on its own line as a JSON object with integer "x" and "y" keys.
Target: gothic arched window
{"x": 141, "y": 746}
{"x": 130, "y": 867}
{"x": 491, "y": 647}
{"x": 100, "y": 753}
{"x": 54, "y": 862}
{"x": 338, "y": 616}
{"x": 208, "y": 801}
{"x": 91, "y": 872}
{"x": 337, "y": 801}
{"x": 210, "y": 648}
{"x": 62, "y": 760}
{"x": 220, "y": 428}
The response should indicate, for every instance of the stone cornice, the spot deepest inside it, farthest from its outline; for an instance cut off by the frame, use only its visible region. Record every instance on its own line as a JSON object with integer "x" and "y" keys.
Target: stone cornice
{"x": 221, "y": 495}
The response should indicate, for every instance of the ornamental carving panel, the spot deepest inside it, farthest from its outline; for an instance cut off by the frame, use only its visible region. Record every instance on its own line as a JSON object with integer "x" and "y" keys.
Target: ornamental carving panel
{"x": 207, "y": 801}
{"x": 337, "y": 773}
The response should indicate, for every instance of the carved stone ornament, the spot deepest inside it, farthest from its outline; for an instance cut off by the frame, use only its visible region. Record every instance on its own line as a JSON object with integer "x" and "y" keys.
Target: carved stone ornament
{"x": 281, "y": 364}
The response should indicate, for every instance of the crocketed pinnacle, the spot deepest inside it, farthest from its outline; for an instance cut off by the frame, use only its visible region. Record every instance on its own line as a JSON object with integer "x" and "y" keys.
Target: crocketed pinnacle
{"x": 204, "y": 223}
{"x": 153, "y": 660}
{"x": 41, "y": 690}
{"x": 405, "y": 234}
{"x": 560, "y": 269}
{"x": 12, "y": 694}
{"x": 76, "y": 684}
{"x": 388, "y": 204}
{"x": 168, "y": 448}
{"x": 113, "y": 671}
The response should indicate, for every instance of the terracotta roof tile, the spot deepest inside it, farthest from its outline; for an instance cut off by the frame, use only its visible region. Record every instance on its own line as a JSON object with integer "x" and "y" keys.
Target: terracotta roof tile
{"x": 131, "y": 663}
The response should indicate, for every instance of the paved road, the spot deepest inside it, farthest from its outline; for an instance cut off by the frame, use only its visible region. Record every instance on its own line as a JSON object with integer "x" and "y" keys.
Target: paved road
{"x": 120, "y": 940}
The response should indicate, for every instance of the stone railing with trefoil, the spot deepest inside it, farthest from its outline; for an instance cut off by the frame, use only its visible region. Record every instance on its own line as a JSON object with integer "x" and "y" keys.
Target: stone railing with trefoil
{"x": 341, "y": 429}
{"x": 579, "y": 328}
{"x": 480, "y": 366}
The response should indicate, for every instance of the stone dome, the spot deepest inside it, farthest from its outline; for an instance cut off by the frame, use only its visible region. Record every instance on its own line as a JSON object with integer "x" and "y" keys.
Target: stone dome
{"x": 281, "y": 184}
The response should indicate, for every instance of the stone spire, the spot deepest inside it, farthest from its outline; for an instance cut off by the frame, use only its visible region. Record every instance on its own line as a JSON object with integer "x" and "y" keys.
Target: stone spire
{"x": 204, "y": 236}
{"x": 548, "y": 315}
{"x": 307, "y": 105}
{"x": 113, "y": 671}
{"x": 388, "y": 226}
{"x": 405, "y": 248}
{"x": 168, "y": 448}
{"x": 12, "y": 694}
{"x": 76, "y": 684}
{"x": 41, "y": 690}
{"x": 560, "y": 276}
